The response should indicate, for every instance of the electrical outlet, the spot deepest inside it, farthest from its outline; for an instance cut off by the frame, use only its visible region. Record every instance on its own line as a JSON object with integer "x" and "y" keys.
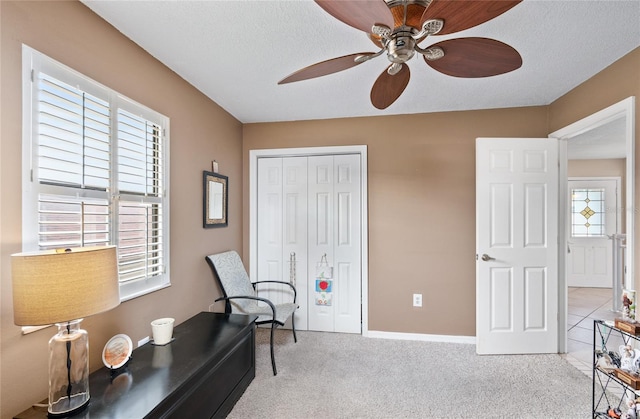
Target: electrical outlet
{"x": 417, "y": 300}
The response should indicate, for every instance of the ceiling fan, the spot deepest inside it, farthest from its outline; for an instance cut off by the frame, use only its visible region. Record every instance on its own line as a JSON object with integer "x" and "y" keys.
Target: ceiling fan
{"x": 398, "y": 26}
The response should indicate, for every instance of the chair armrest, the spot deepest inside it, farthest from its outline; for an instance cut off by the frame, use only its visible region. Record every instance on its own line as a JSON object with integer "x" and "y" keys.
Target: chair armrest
{"x": 295, "y": 292}
{"x": 250, "y": 297}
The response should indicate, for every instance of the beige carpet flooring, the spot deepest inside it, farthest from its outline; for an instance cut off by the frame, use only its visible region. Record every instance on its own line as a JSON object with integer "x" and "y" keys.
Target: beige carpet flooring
{"x": 332, "y": 375}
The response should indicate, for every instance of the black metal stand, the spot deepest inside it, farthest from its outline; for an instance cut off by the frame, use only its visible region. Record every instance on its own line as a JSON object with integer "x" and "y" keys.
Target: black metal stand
{"x": 114, "y": 372}
{"x": 605, "y": 383}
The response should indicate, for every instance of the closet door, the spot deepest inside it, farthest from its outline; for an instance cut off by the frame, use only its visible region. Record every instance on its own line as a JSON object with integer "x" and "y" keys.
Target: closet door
{"x": 309, "y": 207}
{"x": 347, "y": 249}
{"x": 334, "y": 231}
{"x": 294, "y": 246}
{"x": 282, "y": 230}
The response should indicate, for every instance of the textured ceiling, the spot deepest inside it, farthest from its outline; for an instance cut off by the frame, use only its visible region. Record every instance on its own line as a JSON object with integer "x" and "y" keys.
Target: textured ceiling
{"x": 235, "y": 52}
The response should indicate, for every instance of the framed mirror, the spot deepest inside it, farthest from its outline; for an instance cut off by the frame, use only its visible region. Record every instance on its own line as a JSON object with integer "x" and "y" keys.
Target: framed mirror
{"x": 215, "y": 200}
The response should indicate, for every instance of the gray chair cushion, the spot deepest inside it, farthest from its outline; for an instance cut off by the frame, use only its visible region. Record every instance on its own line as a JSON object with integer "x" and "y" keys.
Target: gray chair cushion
{"x": 235, "y": 281}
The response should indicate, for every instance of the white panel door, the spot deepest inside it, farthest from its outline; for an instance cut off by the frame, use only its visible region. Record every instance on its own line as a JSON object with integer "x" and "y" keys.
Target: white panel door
{"x": 516, "y": 234}
{"x": 347, "y": 253}
{"x": 321, "y": 238}
{"x": 334, "y": 230}
{"x": 282, "y": 230}
{"x": 592, "y": 218}
{"x": 294, "y": 243}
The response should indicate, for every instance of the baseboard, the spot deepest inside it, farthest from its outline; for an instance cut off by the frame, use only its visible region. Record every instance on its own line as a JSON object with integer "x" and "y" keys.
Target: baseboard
{"x": 422, "y": 337}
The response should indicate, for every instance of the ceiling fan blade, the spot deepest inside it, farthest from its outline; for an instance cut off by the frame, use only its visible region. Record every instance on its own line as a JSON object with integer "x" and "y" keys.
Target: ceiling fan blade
{"x": 388, "y": 88}
{"x": 361, "y": 14}
{"x": 475, "y": 57}
{"x": 464, "y": 14}
{"x": 324, "y": 67}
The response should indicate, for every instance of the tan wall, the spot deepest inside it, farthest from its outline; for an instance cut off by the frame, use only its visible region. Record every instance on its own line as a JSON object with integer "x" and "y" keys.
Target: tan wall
{"x": 421, "y": 172}
{"x": 597, "y": 167}
{"x": 617, "y": 82}
{"x": 200, "y": 132}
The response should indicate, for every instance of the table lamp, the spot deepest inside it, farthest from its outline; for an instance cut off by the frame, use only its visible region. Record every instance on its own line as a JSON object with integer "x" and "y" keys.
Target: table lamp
{"x": 63, "y": 286}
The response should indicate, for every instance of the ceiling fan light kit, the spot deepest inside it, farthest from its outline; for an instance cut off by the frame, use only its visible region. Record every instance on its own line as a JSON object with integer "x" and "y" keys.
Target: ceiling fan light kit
{"x": 398, "y": 26}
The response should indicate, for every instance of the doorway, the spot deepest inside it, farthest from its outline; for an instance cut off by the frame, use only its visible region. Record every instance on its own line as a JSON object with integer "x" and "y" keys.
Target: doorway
{"x": 609, "y": 133}
{"x": 297, "y": 260}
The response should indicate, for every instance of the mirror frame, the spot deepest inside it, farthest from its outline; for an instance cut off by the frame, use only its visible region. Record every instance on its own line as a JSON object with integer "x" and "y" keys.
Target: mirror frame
{"x": 207, "y": 200}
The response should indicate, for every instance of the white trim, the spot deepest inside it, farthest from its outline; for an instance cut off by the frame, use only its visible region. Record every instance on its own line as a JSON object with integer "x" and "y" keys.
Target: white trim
{"x": 312, "y": 151}
{"x": 563, "y": 203}
{"x": 471, "y": 340}
{"x": 625, "y": 108}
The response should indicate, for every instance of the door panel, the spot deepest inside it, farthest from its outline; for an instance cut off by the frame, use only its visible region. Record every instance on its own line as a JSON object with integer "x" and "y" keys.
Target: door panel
{"x": 294, "y": 247}
{"x": 347, "y": 245}
{"x": 270, "y": 228}
{"x": 282, "y": 230}
{"x": 516, "y": 210}
{"x": 501, "y": 301}
{"x": 321, "y": 218}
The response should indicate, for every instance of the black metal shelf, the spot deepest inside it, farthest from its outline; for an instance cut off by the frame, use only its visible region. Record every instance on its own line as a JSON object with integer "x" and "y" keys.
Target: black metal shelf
{"x": 602, "y": 380}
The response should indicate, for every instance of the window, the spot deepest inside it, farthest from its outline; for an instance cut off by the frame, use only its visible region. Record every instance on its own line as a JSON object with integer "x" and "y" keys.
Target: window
{"x": 588, "y": 212}
{"x": 95, "y": 172}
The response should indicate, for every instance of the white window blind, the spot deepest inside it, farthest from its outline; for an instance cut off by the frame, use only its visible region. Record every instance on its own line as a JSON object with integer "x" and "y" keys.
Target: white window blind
{"x": 95, "y": 172}
{"x": 73, "y": 136}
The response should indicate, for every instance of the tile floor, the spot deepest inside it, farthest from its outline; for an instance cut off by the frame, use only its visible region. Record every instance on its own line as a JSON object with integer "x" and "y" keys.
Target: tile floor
{"x": 585, "y": 306}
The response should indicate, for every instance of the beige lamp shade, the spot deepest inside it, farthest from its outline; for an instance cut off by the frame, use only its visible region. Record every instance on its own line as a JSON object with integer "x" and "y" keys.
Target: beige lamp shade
{"x": 56, "y": 286}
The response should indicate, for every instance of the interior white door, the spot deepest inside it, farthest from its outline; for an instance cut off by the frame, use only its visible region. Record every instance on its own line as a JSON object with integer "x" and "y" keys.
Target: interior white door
{"x": 282, "y": 231}
{"x": 592, "y": 218}
{"x": 334, "y": 232}
{"x": 516, "y": 245}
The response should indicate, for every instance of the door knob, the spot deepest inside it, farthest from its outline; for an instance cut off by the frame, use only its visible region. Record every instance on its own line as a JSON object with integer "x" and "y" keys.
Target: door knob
{"x": 487, "y": 258}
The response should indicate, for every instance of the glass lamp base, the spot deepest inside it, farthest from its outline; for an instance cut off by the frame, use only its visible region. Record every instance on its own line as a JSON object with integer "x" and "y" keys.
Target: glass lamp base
{"x": 68, "y": 369}
{"x": 68, "y": 406}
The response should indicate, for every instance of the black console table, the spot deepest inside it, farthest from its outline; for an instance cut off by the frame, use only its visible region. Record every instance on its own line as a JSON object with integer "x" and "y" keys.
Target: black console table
{"x": 202, "y": 373}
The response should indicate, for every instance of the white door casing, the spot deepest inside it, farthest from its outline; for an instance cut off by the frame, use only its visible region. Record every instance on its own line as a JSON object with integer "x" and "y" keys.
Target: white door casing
{"x": 516, "y": 228}
{"x": 590, "y": 259}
